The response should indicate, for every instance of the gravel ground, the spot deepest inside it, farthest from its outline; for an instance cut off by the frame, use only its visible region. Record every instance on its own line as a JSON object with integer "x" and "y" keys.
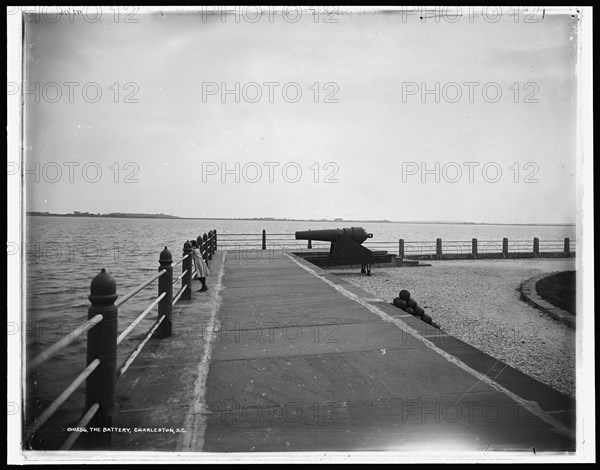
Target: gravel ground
{"x": 479, "y": 303}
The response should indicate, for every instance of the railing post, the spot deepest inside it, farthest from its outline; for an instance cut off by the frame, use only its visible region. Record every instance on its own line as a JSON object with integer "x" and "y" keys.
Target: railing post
{"x": 401, "y": 248}
{"x": 567, "y": 246}
{"x": 100, "y": 386}
{"x": 505, "y": 247}
{"x": 165, "y": 284}
{"x": 264, "y": 239}
{"x": 536, "y": 246}
{"x": 205, "y": 253}
{"x": 474, "y": 248}
{"x": 438, "y": 248}
{"x": 215, "y": 238}
{"x": 188, "y": 264}
{"x": 209, "y": 245}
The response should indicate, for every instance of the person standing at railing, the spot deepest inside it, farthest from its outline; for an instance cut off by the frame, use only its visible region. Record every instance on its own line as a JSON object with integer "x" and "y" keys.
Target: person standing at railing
{"x": 200, "y": 264}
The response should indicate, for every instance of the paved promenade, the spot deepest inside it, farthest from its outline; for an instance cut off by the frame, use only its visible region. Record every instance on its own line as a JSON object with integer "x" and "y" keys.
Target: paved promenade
{"x": 280, "y": 355}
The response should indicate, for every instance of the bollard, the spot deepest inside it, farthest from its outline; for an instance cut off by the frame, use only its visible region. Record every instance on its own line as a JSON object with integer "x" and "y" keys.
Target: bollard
{"x": 567, "y": 246}
{"x": 264, "y": 239}
{"x": 401, "y": 248}
{"x": 474, "y": 248}
{"x": 505, "y": 247}
{"x": 536, "y": 246}
{"x": 188, "y": 264}
{"x": 209, "y": 245}
{"x": 309, "y": 244}
{"x": 100, "y": 386}
{"x": 438, "y": 248}
{"x": 165, "y": 284}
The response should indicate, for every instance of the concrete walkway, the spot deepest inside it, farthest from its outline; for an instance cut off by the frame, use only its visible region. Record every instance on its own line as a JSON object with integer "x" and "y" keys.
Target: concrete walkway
{"x": 280, "y": 355}
{"x": 303, "y": 361}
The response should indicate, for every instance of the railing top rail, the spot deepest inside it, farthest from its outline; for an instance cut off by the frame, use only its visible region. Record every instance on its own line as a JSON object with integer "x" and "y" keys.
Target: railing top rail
{"x": 288, "y": 240}
{"x": 64, "y": 342}
{"x": 135, "y": 290}
{"x": 259, "y": 234}
{"x": 248, "y": 234}
{"x": 180, "y": 261}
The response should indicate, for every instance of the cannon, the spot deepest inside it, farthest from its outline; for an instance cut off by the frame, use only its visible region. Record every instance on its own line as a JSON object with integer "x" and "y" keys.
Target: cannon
{"x": 346, "y": 248}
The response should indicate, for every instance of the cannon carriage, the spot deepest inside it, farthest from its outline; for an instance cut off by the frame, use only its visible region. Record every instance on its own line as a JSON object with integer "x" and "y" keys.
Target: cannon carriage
{"x": 346, "y": 248}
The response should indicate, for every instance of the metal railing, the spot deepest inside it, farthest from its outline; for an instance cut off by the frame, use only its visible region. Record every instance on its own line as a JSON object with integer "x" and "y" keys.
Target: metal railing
{"x": 263, "y": 240}
{"x": 479, "y": 249}
{"x": 468, "y": 249}
{"x": 101, "y": 372}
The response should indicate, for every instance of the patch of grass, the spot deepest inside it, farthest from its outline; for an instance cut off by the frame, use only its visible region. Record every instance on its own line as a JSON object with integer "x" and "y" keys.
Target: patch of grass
{"x": 559, "y": 290}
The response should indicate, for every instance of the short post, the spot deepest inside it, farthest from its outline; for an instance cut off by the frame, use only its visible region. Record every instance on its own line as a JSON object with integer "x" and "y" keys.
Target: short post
{"x": 211, "y": 242}
{"x": 187, "y": 266}
{"x": 100, "y": 386}
{"x": 264, "y": 239}
{"x": 401, "y": 248}
{"x": 165, "y": 284}
{"x": 207, "y": 247}
{"x": 438, "y": 248}
{"x": 309, "y": 244}
{"x": 567, "y": 246}
{"x": 536, "y": 246}
{"x": 505, "y": 247}
{"x": 474, "y": 248}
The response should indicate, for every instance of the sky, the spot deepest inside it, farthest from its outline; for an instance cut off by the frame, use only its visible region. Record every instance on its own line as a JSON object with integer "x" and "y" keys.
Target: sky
{"x": 440, "y": 118}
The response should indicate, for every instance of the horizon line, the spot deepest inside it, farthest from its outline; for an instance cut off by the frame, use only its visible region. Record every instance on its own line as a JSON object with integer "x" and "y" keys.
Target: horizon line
{"x": 280, "y": 219}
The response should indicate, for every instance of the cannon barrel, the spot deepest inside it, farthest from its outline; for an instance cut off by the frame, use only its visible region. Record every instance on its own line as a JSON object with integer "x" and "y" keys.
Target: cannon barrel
{"x": 358, "y": 234}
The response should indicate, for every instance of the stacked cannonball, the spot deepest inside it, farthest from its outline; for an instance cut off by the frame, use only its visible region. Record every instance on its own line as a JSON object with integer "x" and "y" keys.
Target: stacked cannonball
{"x": 404, "y": 302}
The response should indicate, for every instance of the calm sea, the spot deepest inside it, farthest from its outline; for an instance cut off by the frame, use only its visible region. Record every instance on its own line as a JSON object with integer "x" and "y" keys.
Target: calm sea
{"x": 63, "y": 254}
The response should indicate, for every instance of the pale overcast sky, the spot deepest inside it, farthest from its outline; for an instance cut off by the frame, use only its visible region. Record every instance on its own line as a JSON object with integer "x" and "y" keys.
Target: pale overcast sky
{"x": 377, "y": 132}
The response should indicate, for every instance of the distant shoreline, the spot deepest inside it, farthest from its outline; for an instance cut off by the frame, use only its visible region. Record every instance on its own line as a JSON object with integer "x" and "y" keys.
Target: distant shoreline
{"x": 125, "y": 215}
{"x": 112, "y": 215}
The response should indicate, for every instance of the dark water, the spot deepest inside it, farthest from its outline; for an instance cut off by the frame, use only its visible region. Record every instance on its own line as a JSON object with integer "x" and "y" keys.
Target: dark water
{"x": 63, "y": 254}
